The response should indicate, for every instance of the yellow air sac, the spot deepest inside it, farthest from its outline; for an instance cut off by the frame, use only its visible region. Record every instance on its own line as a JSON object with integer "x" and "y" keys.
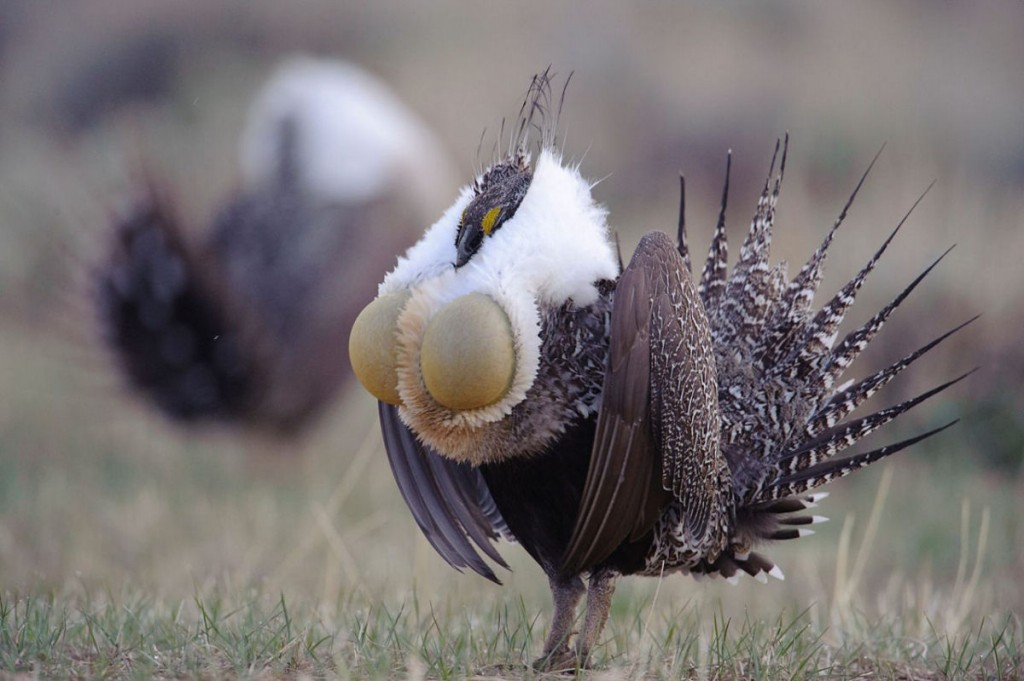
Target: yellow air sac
{"x": 373, "y": 345}
{"x": 468, "y": 357}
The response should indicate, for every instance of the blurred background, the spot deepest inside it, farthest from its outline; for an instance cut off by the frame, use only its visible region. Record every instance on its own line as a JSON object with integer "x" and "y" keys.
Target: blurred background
{"x": 99, "y": 491}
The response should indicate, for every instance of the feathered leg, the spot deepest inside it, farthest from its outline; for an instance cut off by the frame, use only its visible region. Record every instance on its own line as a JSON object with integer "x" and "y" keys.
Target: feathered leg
{"x": 599, "y": 602}
{"x": 557, "y": 654}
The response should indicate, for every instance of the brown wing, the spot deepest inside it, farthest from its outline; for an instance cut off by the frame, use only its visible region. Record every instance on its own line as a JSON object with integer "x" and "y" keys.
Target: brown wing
{"x": 659, "y": 413}
{"x": 450, "y": 501}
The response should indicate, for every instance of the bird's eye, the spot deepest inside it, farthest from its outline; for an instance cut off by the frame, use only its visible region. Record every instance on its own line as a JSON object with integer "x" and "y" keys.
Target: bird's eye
{"x": 474, "y": 241}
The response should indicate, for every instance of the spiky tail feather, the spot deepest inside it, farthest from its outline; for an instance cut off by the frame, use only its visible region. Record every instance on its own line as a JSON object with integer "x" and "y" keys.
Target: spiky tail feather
{"x": 171, "y": 337}
{"x": 783, "y": 411}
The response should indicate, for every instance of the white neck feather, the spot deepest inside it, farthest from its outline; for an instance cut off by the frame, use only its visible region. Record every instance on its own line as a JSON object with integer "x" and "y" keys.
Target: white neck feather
{"x": 554, "y": 248}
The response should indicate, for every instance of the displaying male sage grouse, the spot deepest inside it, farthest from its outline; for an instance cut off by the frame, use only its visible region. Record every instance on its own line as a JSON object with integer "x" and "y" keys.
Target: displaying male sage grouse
{"x": 242, "y": 324}
{"x": 613, "y": 422}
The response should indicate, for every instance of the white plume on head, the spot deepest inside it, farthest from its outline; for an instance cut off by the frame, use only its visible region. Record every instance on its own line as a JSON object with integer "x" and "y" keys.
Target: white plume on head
{"x": 355, "y": 138}
{"x": 554, "y": 248}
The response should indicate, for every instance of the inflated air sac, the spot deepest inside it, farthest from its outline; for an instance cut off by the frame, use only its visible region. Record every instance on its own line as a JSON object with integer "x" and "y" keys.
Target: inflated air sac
{"x": 468, "y": 357}
{"x": 373, "y": 346}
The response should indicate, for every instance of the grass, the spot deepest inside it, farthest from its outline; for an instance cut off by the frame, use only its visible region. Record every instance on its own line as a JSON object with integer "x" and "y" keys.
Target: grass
{"x": 255, "y": 635}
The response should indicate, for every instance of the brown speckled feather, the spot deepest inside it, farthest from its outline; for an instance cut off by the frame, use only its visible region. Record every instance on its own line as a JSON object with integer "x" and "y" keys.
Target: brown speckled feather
{"x": 657, "y": 432}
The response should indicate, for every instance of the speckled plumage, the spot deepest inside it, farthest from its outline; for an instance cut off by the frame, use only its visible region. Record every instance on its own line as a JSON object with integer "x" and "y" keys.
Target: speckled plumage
{"x": 680, "y": 426}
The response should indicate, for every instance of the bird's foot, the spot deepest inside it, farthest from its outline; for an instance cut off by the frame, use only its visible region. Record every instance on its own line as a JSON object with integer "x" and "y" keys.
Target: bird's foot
{"x": 562, "y": 660}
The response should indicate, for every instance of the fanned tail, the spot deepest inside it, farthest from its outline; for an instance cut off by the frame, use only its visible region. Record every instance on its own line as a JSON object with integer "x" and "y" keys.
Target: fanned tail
{"x": 784, "y": 413}
{"x": 166, "y": 329}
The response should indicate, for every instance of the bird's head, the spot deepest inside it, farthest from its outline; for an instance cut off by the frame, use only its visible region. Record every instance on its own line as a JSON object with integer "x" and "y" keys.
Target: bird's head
{"x": 454, "y": 336}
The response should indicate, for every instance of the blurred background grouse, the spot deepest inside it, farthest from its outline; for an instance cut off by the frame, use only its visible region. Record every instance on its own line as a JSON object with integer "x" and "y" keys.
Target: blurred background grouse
{"x": 613, "y": 422}
{"x": 246, "y": 322}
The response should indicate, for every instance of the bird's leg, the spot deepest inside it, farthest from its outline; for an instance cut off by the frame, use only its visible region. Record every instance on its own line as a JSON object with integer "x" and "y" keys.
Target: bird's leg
{"x": 599, "y": 602}
{"x": 557, "y": 655}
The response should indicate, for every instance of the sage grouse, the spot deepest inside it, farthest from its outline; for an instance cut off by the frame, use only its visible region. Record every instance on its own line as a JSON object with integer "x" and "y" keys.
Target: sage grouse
{"x": 241, "y": 324}
{"x": 614, "y": 423}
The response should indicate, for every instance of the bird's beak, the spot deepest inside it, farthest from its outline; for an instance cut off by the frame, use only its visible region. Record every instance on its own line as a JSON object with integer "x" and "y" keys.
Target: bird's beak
{"x": 467, "y": 244}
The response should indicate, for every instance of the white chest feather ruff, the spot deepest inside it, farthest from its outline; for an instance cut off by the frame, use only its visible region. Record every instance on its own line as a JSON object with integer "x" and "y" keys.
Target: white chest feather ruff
{"x": 555, "y": 248}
